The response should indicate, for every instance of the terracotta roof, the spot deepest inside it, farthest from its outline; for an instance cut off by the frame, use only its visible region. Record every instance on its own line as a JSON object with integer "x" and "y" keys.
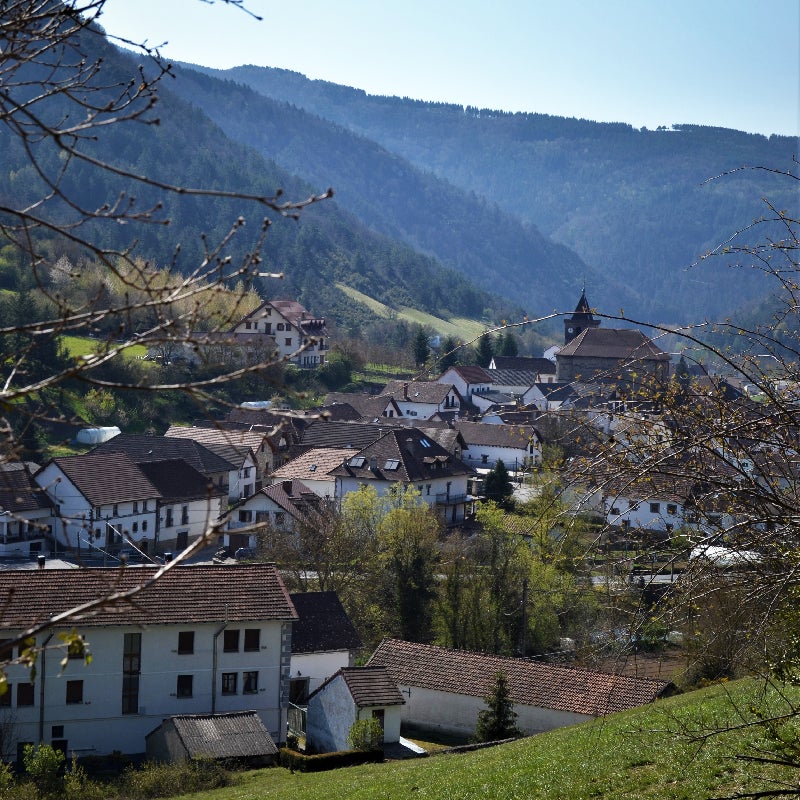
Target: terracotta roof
{"x": 323, "y": 625}
{"x": 532, "y": 683}
{"x": 176, "y": 480}
{"x": 368, "y": 406}
{"x": 182, "y": 595}
{"x": 233, "y": 446}
{"x": 292, "y": 311}
{"x": 316, "y": 464}
{"x": 18, "y": 492}
{"x": 142, "y": 449}
{"x": 619, "y": 343}
{"x": 417, "y": 391}
{"x": 293, "y": 496}
{"x": 237, "y": 734}
{"x": 401, "y": 455}
{"x": 104, "y": 478}
{"x": 343, "y": 434}
{"x": 368, "y": 686}
{"x": 524, "y": 363}
{"x": 470, "y": 373}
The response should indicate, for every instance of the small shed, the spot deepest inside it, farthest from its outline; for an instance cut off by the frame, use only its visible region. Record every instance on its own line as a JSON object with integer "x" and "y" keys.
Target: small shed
{"x": 235, "y": 736}
{"x": 351, "y": 694}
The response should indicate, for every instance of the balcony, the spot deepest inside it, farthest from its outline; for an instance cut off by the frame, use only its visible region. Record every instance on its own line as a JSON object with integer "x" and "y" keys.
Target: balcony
{"x": 450, "y": 499}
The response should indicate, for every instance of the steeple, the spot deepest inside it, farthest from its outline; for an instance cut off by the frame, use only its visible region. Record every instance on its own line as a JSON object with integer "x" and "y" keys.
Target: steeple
{"x": 580, "y": 320}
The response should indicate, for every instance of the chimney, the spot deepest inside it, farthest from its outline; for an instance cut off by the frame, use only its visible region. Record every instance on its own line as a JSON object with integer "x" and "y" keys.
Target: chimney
{"x": 40, "y": 561}
{"x": 373, "y": 463}
{"x": 405, "y": 391}
{"x": 410, "y": 445}
{"x": 287, "y": 487}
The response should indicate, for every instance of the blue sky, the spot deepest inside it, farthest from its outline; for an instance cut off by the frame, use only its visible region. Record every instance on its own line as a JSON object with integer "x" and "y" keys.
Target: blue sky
{"x": 731, "y": 63}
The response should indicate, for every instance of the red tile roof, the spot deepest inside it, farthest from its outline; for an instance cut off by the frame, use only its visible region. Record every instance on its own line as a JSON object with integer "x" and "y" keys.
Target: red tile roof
{"x": 368, "y": 686}
{"x": 182, "y": 595}
{"x": 530, "y": 683}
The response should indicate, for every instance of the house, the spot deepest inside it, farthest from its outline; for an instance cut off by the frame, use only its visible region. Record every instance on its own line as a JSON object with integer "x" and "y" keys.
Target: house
{"x": 408, "y": 457}
{"x": 285, "y": 327}
{"x": 423, "y": 399}
{"x": 104, "y": 501}
{"x": 367, "y": 407}
{"x": 351, "y": 694}
{"x": 201, "y": 639}
{"x": 446, "y": 689}
{"x": 238, "y": 736}
{"x": 26, "y": 513}
{"x": 543, "y": 368}
{"x": 236, "y": 447}
{"x": 517, "y": 446}
{"x": 315, "y": 468}
{"x": 468, "y": 380}
{"x": 324, "y": 640}
{"x": 281, "y": 505}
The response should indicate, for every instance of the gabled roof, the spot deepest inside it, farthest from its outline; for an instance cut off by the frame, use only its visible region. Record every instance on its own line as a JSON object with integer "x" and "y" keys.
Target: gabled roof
{"x": 618, "y": 343}
{"x": 368, "y": 686}
{"x": 323, "y": 625}
{"x": 404, "y": 455}
{"x": 580, "y": 691}
{"x": 343, "y": 434}
{"x": 291, "y": 495}
{"x": 176, "y": 480}
{"x": 232, "y": 445}
{"x": 368, "y": 406}
{"x": 141, "y": 449}
{"x": 106, "y": 478}
{"x": 18, "y": 491}
{"x": 470, "y": 373}
{"x": 236, "y": 734}
{"x": 514, "y": 377}
{"x": 317, "y": 464}
{"x": 481, "y": 433}
{"x": 543, "y": 366}
{"x": 429, "y": 392}
{"x": 292, "y": 312}
{"x": 199, "y": 593}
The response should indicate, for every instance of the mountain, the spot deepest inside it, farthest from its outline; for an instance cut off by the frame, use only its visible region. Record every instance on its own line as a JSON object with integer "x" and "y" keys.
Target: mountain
{"x": 494, "y": 249}
{"x": 639, "y": 207}
{"x": 327, "y": 245}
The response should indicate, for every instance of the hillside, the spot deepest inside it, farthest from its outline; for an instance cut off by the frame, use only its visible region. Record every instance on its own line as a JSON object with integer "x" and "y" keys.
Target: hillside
{"x": 635, "y": 205}
{"x": 647, "y": 752}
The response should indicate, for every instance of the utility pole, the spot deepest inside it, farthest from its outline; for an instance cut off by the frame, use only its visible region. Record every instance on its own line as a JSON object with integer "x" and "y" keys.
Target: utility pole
{"x": 524, "y": 617}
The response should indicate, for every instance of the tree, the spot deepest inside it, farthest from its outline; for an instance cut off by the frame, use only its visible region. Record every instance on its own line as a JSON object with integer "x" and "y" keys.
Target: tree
{"x": 450, "y": 353}
{"x": 484, "y": 350}
{"x": 497, "y": 485}
{"x": 507, "y": 344}
{"x": 420, "y": 347}
{"x": 75, "y": 219}
{"x": 498, "y": 720}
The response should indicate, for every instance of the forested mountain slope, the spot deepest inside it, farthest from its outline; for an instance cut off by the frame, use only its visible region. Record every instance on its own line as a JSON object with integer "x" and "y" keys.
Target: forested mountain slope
{"x": 462, "y": 229}
{"x": 635, "y": 204}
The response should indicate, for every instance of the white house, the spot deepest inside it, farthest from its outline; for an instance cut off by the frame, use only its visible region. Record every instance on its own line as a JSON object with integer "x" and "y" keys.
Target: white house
{"x": 315, "y": 468}
{"x": 408, "y": 457}
{"x": 422, "y": 399}
{"x": 26, "y": 513}
{"x": 200, "y": 639}
{"x": 352, "y": 694}
{"x": 468, "y": 380}
{"x": 446, "y": 689}
{"x": 517, "y": 446}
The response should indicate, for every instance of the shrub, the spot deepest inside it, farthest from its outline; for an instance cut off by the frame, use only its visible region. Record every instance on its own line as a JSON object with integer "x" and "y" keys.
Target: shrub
{"x": 45, "y": 765}
{"x": 154, "y": 779}
{"x": 365, "y": 734}
{"x": 301, "y": 762}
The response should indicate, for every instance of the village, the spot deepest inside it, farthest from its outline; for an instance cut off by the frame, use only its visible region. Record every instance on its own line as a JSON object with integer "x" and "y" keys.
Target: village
{"x": 188, "y": 618}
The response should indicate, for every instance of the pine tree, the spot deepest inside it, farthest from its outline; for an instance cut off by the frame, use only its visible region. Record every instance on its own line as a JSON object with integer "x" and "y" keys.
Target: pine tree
{"x": 420, "y": 348}
{"x": 484, "y": 350}
{"x": 497, "y": 486}
{"x": 498, "y": 719}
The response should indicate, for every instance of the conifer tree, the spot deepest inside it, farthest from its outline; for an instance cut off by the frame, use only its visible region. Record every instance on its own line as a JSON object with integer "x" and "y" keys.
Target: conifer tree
{"x": 498, "y": 719}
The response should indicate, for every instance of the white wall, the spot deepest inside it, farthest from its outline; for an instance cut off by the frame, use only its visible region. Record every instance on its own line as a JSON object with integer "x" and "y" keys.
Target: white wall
{"x": 318, "y": 667}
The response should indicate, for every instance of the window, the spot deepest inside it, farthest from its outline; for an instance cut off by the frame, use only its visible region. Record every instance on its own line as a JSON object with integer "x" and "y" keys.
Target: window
{"x": 135, "y": 527}
{"x": 262, "y": 516}
{"x": 184, "y": 687}
{"x": 672, "y": 509}
{"x": 77, "y": 649}
{"x": 144, "y": 506}
{"x": 229, "y": 680}
{"x": 74, "y": 692}
{"x": 250, "y": 682}
{"x": 57, "y": 732}
{"x": 25, "y": 694}
{"x": 280, "y": 519}
{"x": 655, "y": 508}
{"x": 168, "y": 518}
{"x": 614, "y": 511}
{"x": 184, "y": 515}
{"x": 131, "y": 667}
{"x": 185, "y": 642}
{"x": 135, "y": 506}
{"x": 298, "y": 691}
{"x": 230, "y": 641}
{"x": 245, "y": 516}
{"x": 279, "y": 326}
{"x": 115, "y": 510}
{"x": 427, "y": 488}
{"x": 288, "y": 341}
{"x": 252, "y": 639}
{"x": 484, "y": 458}
{"x": 144, "y": 525}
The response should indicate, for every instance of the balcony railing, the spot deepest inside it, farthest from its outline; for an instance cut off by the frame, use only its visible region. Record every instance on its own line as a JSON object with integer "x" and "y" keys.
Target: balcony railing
{"x": 450, "y": 499}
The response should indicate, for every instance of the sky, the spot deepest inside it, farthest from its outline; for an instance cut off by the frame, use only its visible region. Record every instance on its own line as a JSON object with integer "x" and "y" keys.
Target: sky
{"x": 728, "y": 63}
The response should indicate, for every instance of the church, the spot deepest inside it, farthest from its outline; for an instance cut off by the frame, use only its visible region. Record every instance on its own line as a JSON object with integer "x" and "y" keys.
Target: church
{"x": 624, "y": 357}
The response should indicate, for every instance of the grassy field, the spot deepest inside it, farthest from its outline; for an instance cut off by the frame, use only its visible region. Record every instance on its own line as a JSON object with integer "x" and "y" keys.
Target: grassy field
{"x": 646, "y": 753}
{"x": 78, "y": 346}
{"x": 460, "y": 327}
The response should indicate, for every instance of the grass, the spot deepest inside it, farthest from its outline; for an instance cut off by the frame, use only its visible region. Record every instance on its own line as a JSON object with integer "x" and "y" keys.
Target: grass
{"x": 78, "y": 346}
{"x": 644, "y": 753}
{"x": 460, "y": 327}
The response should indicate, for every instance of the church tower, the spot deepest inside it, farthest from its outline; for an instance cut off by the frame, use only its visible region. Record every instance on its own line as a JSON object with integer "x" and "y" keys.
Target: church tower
{"x": 580, "y": 320}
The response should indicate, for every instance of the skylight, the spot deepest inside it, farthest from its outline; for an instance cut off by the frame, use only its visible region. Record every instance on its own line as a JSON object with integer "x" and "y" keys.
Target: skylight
{"x": 391, "y": 463}
{"x": 358, "y": 461}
